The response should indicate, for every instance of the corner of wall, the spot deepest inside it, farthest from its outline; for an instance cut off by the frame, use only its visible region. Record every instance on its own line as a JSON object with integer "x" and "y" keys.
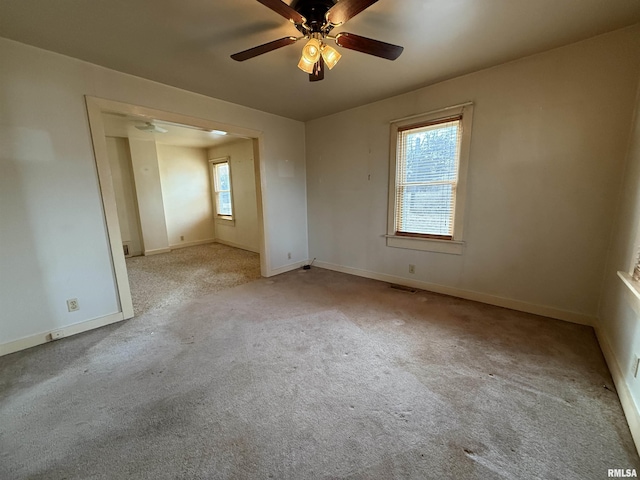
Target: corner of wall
{"x": 618, "y": 319}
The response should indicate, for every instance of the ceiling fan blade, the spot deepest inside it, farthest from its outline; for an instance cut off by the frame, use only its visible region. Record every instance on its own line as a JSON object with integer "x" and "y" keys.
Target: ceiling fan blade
{"x": 264, "y": 48}
{"x": 285, "y": 10}
{"x": 369, "y": 45}
{"x": 318, "y": 71}
{"x": 346, "y": 9}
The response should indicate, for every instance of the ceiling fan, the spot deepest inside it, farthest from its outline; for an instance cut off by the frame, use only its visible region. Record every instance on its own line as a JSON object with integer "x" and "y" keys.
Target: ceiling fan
{"x": 315, "y": 19}
{"x": 151, "y": 127}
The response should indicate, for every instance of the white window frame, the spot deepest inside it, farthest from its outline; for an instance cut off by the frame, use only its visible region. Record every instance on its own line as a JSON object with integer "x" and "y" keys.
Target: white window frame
{"x": 223, "y": 219}
{"x": 456, "y": 244}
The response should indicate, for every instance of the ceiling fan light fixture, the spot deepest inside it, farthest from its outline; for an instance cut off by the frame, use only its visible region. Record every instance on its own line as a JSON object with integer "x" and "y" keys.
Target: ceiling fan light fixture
{"x": 319, "y": 19}
{"x": 330, "y": 56}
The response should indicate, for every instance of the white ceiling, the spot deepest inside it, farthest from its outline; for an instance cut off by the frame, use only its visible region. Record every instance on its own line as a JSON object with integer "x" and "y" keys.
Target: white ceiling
{"x": 187, "y": 44}
{"x": 118, "y": 125}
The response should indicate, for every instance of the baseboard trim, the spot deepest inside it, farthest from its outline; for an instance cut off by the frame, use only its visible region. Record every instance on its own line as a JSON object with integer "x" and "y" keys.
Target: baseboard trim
{"x": 286, "y": 268}
{"x": 236, "y": 245}
{"x": 545, "y": 311}
{"x": 156, "y": 251}
{"x": 191, "y": 244}
{"x": 69, "y": 330}
{"x": 628, "y": 404}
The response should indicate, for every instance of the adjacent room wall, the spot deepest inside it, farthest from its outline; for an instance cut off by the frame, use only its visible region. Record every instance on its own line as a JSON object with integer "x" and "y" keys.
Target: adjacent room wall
{"x": 186, "y": 193}
{"x": 125, "y": 192}
{"x": 547, "y": 151}
{"x": 175, "y": 195}
{"x": 245, "y": 232}
{"x": 146, "y": 174}
{"x": 53, "y": 238}
{"x": 619, "y": 318}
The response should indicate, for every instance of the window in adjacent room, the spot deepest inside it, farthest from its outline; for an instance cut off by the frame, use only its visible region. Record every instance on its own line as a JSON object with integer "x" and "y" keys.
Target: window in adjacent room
{"x": 429, "y": 156}
{"x": 636, "y": 268}
{"x": 221, "y": 179}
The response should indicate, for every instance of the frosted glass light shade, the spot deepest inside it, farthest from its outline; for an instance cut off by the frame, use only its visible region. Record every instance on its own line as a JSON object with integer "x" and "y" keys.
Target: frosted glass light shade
{"x": 311, "y": 51}
{"x": 305, "y": 65}
{"x": 330, "y": 56}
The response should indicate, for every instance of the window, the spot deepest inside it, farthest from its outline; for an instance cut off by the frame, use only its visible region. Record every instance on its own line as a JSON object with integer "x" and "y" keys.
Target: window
{"x": 221, "y": 179}
{"x": 427, "y": 179}
{"x": 631, "y": 277}
{"x": 223, "y": 189}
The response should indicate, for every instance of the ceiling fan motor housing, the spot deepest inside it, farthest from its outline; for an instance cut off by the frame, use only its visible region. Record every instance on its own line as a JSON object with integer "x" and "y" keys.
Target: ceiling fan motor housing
{"x": 314, "y": 11}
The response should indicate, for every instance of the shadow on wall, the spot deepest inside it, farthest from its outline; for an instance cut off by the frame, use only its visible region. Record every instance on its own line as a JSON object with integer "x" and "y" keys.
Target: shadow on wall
{"x": 23, "y": 154}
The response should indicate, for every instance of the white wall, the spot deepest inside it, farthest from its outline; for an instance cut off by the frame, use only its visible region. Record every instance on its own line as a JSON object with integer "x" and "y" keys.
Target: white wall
{"x": 146, "y": 174}
{"x": 619, "y": 317}
{"x": 125, "y": 193}
{"x": 245, "y": 232}
{"x": 186, "y": 192}
{"x": 53, "y": 240}
{"x": 547, "y": 152}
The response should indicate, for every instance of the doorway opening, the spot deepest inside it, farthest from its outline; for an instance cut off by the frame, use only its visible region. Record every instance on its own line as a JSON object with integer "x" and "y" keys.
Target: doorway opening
{"x": 167, "y": 218}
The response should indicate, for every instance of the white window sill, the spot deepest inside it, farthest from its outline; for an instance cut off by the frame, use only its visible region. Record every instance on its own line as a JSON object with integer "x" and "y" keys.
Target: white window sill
{"x": 225, "y": 221}
{"x": 451, "y": 247}
{"x": 634, "y": 288}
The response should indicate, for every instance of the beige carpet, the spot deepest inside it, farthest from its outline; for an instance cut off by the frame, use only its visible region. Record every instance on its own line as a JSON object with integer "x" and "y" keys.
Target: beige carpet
{"x": 315, "y": 375}
{"x": 168, "y": 279}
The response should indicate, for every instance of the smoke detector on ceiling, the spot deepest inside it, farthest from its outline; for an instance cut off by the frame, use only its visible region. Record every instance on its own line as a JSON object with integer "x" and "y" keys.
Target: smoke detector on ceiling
{"x": 150, "y": 127}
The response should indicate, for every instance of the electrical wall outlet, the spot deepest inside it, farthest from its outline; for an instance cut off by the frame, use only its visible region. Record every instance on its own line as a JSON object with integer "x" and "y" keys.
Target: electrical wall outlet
{"x": 56, "y": 335}
{"x": 73, "y": 305}
{"x": 412, "y": 269}
{"x": 182, "y": 238}
{"x": 289, "y": 255}
{"x": 635, "y": 365}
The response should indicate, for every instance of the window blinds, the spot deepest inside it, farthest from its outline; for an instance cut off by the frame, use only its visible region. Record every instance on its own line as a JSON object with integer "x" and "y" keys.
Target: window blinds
{"x": 426, "y": 178}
